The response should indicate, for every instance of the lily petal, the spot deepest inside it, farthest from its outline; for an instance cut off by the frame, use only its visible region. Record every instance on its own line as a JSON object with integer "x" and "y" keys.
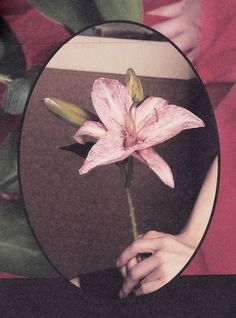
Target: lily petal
{"x": 146, "y": 112}
{"x": 111, "y": 102}
{"x": 108, "y": 149}
{"x": 138, "y": 156}
{"x": 158, "y": 165}
{"x": 171, "y": 121}
{"x": 90, "y": 128}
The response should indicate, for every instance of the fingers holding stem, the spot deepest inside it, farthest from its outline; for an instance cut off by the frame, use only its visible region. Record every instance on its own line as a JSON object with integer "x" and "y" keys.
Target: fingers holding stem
{"x": 169, "y": 254}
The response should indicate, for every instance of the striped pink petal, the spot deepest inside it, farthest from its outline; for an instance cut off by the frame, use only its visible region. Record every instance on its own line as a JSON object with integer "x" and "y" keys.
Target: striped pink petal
{"x": 90, "y": 128}
{"x": 170, "y": 121}
{"x": 158, "y": 165}
{"x": 111, "y": 102}
{"x": 146, "y": 113}
{"x": 138, "y": 156}
{"x": 108, "y": 149}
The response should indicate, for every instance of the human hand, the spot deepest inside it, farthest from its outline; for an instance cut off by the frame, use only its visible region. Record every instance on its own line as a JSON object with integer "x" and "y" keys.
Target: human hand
{"x": 169, "y": 255}
{"x": 182, "y": 25}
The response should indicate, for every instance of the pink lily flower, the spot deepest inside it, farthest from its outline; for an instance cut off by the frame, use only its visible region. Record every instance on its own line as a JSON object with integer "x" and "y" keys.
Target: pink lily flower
{"x": 129, "y": 131}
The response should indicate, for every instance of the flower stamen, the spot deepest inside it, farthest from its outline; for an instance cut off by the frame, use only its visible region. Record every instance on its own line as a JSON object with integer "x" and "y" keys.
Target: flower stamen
{"x": 132, "y": 119}
{"x": 116, "y": 121}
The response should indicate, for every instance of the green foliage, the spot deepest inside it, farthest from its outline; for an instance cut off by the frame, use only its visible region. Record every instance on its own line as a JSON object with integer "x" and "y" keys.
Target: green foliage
{"x": 16, "y": 96}
{"x": 19, "y": 252}
{"x": 1, "y": 48}
{"x": 8, "y": 162}
{"x": 14, "y": 103}
{"x": 77, "y": 15}
{"x": 120, "y": 10}
{"x": 12, "y": 59}
{"x": 17, "y": 92}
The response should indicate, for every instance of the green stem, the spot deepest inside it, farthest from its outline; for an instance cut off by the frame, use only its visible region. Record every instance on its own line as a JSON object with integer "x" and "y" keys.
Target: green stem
{"x": 126, "y": 169}
{"x": 132, "y": 214}
{"x": 132, "y": 219}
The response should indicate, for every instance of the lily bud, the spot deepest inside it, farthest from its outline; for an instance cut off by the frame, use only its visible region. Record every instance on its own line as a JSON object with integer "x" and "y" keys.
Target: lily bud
{"x": 134, "y": 86}
{"x": 71, "y": 113}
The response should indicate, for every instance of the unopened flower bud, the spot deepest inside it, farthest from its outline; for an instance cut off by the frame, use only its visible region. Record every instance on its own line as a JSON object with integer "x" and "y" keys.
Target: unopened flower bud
{"x": 71, "y": 113}
{"x": 134, "y": 86}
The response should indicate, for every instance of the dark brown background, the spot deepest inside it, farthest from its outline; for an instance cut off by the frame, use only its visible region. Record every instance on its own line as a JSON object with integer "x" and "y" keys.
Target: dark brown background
{"x": 82, "y": 222}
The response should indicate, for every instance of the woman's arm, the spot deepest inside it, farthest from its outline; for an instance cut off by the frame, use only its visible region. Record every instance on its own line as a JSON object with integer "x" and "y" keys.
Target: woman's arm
{"x": 196, "y": 225}
{"x": 169, "y": 252}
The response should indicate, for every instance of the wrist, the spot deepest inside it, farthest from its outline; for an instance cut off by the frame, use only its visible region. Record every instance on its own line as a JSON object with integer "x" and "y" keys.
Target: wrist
{"x": 189, "y": 239}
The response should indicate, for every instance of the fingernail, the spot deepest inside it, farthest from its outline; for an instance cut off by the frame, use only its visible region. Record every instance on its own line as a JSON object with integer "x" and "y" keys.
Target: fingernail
{"x": 118, "y": 263}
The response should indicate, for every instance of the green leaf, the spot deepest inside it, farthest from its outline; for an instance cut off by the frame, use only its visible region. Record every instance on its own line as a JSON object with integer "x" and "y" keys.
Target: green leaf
{"x": 71, "y": 113}
{"x": 12, "y": 187}
{"x": 15, "y": 96}
{"x": 120, "y": 10}
{"x": 12, "y": 61}
{"x": 19, "y": 252}
{"x": 77, "y": 15}
{"x": 1, "y": 48}
{"x": 8, "y": 160}
{"x": 17, "y": 92}
{"x": 33, "y": 73}
{"x": 74, "y": 14}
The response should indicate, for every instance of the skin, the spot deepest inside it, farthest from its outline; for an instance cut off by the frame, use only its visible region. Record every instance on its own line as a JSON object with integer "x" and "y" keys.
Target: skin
{"x": 169, "y": 252}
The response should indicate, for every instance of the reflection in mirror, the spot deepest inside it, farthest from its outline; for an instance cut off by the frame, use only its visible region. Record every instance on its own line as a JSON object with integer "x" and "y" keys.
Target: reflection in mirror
{"x": 119, "y": 163}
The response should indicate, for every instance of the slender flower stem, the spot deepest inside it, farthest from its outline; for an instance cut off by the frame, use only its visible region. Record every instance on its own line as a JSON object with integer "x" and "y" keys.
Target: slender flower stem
{"x": 126, "y": 169}
{"x": 132, "y": 214}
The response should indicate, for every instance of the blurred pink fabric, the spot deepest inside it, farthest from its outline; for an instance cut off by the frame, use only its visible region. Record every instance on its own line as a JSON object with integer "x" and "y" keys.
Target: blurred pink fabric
{"x": 216, "y": 62}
